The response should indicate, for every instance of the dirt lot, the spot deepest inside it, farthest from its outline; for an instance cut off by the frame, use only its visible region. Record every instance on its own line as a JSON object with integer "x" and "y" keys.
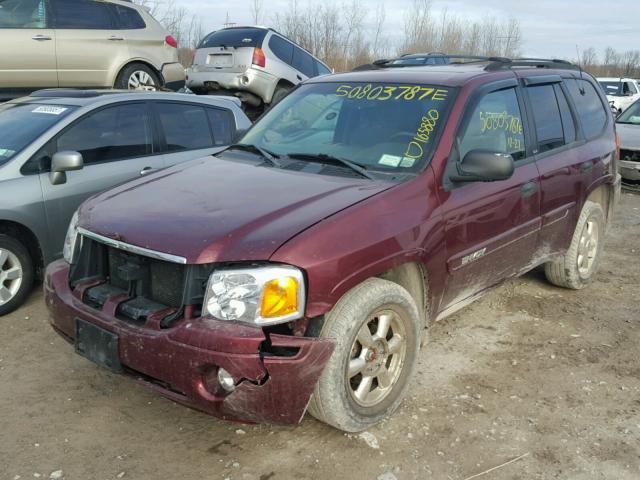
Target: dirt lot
{"x": 530, "y": 369}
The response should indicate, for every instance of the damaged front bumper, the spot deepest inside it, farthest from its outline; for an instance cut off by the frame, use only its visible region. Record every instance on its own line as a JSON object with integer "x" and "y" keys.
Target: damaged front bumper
{"x": 182, "y": 362}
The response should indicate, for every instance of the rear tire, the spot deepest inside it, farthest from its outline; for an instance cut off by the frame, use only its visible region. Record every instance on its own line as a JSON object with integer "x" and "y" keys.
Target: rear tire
{"x": 376, "y": 329}
{"x": 279, "y": 94}
{"x": 16, "y": 274}
{"x": 578, "y": 266}
{"x": 138, "y": 76}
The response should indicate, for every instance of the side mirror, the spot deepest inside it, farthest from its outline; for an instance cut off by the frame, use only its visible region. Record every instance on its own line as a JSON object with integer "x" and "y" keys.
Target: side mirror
{"x": 484, "y": 166}
{"x": 63, "y": 162}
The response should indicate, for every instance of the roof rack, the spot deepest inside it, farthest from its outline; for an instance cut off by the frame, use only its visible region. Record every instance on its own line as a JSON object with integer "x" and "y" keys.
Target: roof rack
{"x": 493, "y": 63}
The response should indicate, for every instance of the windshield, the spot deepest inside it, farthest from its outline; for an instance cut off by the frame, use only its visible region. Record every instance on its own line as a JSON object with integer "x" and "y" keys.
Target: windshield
{"x": 21, "y": 124}
{"x": 631, "y": 115}
{"x": 612, "y": 88}
{"x": 234, "y": 37}
{"x": 379, "y": 126}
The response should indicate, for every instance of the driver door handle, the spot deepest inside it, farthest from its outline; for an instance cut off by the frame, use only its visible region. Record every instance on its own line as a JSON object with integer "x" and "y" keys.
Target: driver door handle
{"x": 529, "y": 188}
{"x": 115, "y": 38}
{"x": 147, "y": 171}
{"x": 41, "y": 38}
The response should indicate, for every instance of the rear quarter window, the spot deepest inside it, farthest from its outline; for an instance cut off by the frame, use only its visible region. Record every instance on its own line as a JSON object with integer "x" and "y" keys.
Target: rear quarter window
{"x": 128, "y": 18}
{"x": 281, "y": 49}
{"x": 590, "y": 109}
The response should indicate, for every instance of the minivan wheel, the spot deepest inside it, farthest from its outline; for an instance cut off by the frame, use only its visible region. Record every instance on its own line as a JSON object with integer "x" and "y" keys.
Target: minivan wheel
{"x": 16, "y": 274}
{"x": 579, "y": 265}
{"x": 376, "y": 329}
{"x": 138, "y": 77}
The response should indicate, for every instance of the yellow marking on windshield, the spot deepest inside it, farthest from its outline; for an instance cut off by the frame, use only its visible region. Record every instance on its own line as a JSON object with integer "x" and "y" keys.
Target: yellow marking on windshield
{"x": 428, "y": 123}
{"x": 392, "y": 92}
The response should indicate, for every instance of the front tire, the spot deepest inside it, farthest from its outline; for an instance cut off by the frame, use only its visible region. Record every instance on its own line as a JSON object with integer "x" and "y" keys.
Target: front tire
{"x": 376, "y": 328}
{"x": 138, "y": 76}
{"x": 16, "y": 274}
{"x": 576, "y": 269}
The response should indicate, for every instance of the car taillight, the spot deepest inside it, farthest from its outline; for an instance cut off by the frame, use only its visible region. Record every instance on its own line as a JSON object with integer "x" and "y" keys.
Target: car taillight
{"x": 258, "y": 58}
{"x": 171, "y": 41}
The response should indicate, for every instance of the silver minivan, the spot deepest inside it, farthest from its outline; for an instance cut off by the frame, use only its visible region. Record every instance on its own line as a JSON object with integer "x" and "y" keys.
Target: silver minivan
{"x": 256, "y": 64}
{"x": 59, "y": 147}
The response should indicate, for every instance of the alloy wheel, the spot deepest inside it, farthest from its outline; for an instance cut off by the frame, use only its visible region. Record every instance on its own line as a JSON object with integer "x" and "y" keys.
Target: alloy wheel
{"x": 377, "y": 358}
{"x": 587, "y": 248}
{"x": 11, "y": 274}
{"x": 141, "y": 80}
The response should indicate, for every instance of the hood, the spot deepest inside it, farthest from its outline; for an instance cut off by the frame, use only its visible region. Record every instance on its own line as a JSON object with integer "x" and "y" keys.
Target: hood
{"x": 220, "y": 209}
{"x": 629, "y": 136}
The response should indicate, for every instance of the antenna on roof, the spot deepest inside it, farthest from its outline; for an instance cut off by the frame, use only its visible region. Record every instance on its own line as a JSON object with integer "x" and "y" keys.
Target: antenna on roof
{"x": 581, "y": 87}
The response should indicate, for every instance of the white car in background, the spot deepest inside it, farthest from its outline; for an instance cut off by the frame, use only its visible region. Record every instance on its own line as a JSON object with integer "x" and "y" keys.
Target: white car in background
{"x": 256, "y": 64}
{"x": 621, "y": 92}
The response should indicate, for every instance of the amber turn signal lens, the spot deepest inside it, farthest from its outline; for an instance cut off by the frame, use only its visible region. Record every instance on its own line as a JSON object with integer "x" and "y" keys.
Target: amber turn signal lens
{"x": 280, "y": 297}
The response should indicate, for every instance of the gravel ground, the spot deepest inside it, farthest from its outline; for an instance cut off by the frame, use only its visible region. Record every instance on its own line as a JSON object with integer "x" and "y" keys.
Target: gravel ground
{"x": 530, "y": 372}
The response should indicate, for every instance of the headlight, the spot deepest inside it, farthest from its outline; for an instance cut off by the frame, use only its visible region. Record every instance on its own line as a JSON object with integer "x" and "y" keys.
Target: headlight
{"x": 69, "y": 248}
{"x": 260, "y": 295}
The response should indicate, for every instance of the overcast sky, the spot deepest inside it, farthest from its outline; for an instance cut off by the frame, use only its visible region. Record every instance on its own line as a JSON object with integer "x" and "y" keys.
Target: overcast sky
{"x": 551, "y": 28}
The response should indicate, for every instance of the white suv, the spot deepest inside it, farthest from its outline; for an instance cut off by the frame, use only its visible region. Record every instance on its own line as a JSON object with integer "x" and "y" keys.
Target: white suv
{"x": 621, "y": 92}
{"x": 256, "y": 64}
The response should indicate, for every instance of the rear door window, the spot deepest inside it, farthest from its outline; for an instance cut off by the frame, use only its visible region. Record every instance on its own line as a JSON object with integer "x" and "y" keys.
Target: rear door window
{"x": 591, "y": 112}
{"x": 303, "y": 62}
{"x": 281, "y": 49}
{"x": 234, "y": 37}
{"x": 113, "y": 133}
{"x": 495, "y": 125}
{"x": 568, "y": 123}
{"x": 81, "y": 14}
{"x": 546, "y": 114}
{"x": 222, "y": 126}
{"x": 21, "y": 14}
{"x": 186, "y": 127}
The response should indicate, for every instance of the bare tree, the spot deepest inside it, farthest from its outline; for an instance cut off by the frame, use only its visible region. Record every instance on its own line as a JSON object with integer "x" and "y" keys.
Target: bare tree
{"x": 256, "y": 11}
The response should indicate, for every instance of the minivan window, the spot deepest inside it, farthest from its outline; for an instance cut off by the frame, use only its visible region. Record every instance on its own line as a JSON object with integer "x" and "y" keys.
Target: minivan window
{"x": 21, "y": 124}
{"x": 591, "y": 111}
{"x": 546, "y": 113}
{"x": 81, "y": 14}
{"x": 612, "y": 88}
{"x": 21, "y": 14}
{"x": 303, "y": 62}
{"x": 495, "y": 125}
{"x": 128, "y": 18}
{"x": 222, "y": 125}
{"x": 113, "y": 133}
{"x": 322, "y": 70}
{"x": 281, "y": 48}
{"x": 234, "y": 37}
{"x": 186, "y": 127}
{"x": 631, "y": 88}
{"x": 383, "y": 127}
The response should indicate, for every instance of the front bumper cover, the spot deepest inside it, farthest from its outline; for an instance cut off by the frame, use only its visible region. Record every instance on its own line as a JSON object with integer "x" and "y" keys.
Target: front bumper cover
{"x": 175, "y": 362}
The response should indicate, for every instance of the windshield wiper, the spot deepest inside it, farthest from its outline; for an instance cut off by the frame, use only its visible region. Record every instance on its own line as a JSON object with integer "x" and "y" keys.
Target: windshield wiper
{"x": 330, "y": 159}
{"x": 271, "y": 157}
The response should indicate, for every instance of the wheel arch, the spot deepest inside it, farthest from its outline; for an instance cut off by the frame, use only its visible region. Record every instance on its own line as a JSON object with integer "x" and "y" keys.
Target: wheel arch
{"x": 281, "y": 83}
{"x": 26, "y": 236}
{"x": 412, "y": 276}
{"x": 141, "y": 61}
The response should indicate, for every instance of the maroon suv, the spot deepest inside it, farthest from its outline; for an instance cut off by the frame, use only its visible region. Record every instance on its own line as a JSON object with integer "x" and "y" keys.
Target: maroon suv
{"x": 299, "y": 268}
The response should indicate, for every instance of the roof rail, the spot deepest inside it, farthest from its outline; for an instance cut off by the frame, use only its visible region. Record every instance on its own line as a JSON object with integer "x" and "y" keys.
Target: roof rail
{"x": 531, "y": 62}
